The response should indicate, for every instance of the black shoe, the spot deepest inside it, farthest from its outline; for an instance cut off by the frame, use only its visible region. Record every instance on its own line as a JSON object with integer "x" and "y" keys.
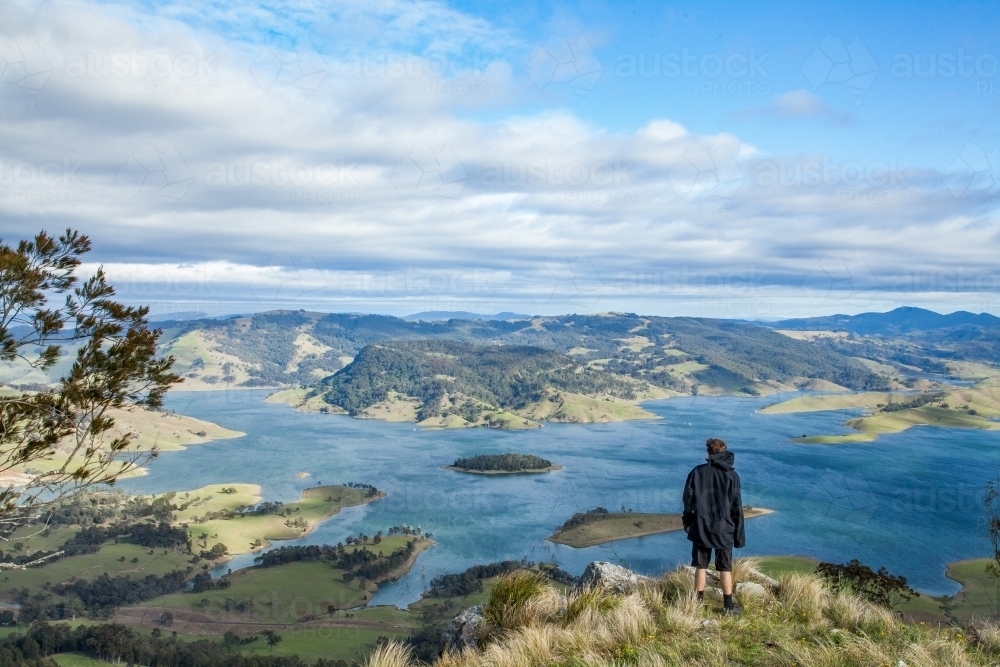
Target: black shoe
{"x": 735, "y": 610}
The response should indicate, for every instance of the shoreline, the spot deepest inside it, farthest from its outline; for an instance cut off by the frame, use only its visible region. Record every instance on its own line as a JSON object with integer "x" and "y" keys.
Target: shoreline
{"x": 312, "y": 524}
{"x": 423, "y": 544}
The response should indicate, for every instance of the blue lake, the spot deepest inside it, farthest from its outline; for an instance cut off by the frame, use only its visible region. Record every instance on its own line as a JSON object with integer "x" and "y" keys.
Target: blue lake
{"x": 910, "y": 501}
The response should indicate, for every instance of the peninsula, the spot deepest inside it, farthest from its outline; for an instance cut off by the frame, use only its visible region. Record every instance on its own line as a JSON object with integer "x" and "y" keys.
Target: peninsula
{"x": 976, "y": 406}
{"x": 598, "y": 526}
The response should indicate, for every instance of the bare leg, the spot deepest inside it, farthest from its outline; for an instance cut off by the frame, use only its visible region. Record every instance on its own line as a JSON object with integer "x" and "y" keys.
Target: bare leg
{"x": 700, "y": 575}
{"x": 726, "y": 578}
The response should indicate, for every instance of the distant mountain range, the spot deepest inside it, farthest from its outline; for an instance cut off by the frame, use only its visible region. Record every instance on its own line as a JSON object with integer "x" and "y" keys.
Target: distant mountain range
{"x": 688, "y": 355}
{"x": 903, "y": 320}
{"x": 682, "y": 354}
{"x": 445, "y": 315}
{"x": 913, "y": 337}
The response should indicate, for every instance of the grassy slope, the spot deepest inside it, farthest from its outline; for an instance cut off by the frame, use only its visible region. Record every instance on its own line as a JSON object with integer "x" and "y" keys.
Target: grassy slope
{"x": 91, "y": 566}
{"x": 927, "y": 415}
{"x": 983, "y": 398}
{"x": 188, "y": 348}
{"x": 625, "y": 525}
{"x": 281, "y": 594}
{"x": 317, "y": 504}
{"x": 284, "y": 593}
{"x": 823, "y": 402}
{"x": 979, "y": 597}
{"x": 802, "y": 623}
{"x": 166, "y": 431}
{"x": 580, "y": 409}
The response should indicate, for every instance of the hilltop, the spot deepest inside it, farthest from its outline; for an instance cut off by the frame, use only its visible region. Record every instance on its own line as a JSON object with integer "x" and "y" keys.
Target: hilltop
{"x": 906, "y": 336}
{"x": 449, "y": 383}
{"x": 681, "y": 354}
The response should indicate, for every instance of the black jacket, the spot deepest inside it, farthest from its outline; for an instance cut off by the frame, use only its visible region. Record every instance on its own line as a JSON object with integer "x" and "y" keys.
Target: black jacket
{"x": 713, "y": 506}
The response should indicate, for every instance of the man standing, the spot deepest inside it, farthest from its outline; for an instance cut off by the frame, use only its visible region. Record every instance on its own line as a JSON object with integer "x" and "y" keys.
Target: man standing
{"x": 713, "y": 519}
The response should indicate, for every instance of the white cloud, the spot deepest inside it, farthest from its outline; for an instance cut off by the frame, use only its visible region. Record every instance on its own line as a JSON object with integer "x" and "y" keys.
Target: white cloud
{"x": 796, "y": 104}
{"x": 280, "y": 192}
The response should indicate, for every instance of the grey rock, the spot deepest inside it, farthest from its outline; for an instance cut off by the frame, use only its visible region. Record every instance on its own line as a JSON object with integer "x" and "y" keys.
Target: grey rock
{"x": 751, "y": 589}
{"x": 712, "y": 577}
{"x": 465, "y": 631}
{"x": 601, "y": 574}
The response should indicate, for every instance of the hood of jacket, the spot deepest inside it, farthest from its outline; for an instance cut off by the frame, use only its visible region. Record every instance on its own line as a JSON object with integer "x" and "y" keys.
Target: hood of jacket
{"x": 723, "y": 460}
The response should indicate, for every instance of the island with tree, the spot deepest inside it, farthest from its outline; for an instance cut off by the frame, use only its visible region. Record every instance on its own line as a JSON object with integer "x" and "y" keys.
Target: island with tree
{"x": 503, "y": 464}
{"x": 600, "y": 525}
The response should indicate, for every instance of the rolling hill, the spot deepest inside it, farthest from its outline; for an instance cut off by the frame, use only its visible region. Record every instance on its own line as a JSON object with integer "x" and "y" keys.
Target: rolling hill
{"x": 687, "y": 355}
{"x": 910, "y": 337}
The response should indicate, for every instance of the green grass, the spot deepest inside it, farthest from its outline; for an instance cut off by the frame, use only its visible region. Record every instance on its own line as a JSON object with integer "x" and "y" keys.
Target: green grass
{"x": 77, "y": 660}
{"x": 238, "y": 534}
{"x": 329, "y": 643}
{"x": 91, "y": 566}
{"x": 33, "y": 540}
{"x": 623, "y": 526}
{"x": 979, "y": 597}
{"x": 283, "y": 593}
{"x": 929, "y": 415}
{"x": 280, "y": 594}
{"x": 775, "y": 566}
{"x": 823, "y": 402}
{"x": 581, "y": 409}
{"x": 443, "y": 609}
{"x": 980, "y": 594}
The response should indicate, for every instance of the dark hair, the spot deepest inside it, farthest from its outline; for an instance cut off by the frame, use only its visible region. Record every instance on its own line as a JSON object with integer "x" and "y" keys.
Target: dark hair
{"x": 715, "y": 445}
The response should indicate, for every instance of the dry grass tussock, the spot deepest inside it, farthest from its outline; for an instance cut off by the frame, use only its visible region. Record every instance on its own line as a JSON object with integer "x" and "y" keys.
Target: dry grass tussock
{"x": 661, "y": 624}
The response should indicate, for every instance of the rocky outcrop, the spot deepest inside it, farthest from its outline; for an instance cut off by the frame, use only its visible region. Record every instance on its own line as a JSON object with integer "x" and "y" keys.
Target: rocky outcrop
{"x": 468, "y": 630}
{"x": 465, "y": 631}
{"x": 751, "y": 589}
{"x": 601, "y": 574}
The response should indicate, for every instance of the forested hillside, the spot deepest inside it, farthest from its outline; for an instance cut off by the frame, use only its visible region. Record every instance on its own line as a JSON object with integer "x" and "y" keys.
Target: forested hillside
{"x": 909, "y": 336}
{"x": 473, "y": 377}
{"x": 299, "y": 348}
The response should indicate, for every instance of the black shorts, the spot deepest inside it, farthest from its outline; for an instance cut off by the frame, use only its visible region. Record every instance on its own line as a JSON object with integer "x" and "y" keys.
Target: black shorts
{"x": 700, "y": 556}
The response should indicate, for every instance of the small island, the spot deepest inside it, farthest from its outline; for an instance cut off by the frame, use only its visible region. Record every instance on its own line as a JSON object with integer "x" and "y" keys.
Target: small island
{"x": 503, "y": 464}
{"x": 598, "y": 526}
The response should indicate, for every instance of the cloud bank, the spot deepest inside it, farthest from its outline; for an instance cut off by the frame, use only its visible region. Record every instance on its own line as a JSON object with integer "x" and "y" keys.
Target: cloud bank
{"x": 394, "y": 158}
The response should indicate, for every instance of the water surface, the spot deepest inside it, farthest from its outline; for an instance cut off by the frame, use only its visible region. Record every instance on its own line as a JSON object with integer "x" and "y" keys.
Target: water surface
{"x": 910, "y": 501}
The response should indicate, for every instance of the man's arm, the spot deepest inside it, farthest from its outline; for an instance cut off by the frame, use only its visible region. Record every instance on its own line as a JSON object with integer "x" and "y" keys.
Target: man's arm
{"x": 689, "y": 501}
{"x": 736, "y": 512}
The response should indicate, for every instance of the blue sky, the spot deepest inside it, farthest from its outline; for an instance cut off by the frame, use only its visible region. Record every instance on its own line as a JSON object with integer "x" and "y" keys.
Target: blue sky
{"x": 754, "y": 160}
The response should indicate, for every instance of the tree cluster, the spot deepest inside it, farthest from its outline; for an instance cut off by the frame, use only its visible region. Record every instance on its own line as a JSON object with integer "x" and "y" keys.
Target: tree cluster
{"x": 97, "y": 598}
{"x": 502, "y": 462}
{"x": 582, "y": 518}
{"x": 877, "y": 586}
{"x": 118, "y": 643}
